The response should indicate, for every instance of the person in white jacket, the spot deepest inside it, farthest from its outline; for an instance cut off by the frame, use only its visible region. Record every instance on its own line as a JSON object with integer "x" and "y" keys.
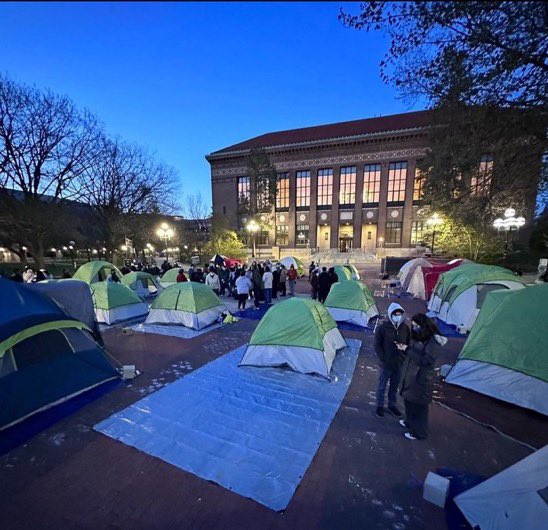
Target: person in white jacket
{"x": 243, "y": 286}
{"x": 267, "y": 286}
{"x": 212, "y": 280}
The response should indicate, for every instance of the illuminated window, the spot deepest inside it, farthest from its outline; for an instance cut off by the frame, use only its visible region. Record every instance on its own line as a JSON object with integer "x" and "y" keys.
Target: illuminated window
{"x": 263, "y": 237}
{"x": 303, "y": 190}
{"x": 347, "y": 193}
{"x": 481, "y": 182}
{"x": 244, "y": 191}
{"x": 325, "y": 187}
{"x": 282, "y": 235}
{"x": 371, "y": 183}
{"x": 418, "y": 228}
{"x": 303, "y": 234}
{"x": 282, "y": 191}
{"x": 418, "y": 184}
{"x": 397, "y": 175}
{"x": 393, "y": 233}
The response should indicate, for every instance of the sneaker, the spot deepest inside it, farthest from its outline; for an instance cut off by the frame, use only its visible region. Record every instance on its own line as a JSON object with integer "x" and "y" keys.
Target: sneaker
{"x": 394, "y": 410}
{"x": 379, "y": 412}
{"x": 409, "y": 436}
{"x": 403, "y": 424}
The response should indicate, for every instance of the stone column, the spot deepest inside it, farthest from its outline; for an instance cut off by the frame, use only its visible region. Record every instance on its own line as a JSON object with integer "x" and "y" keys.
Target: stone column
{"x": 357, "y": 240}
{"x": 292, "y": 208}
{"x": 335, "y": 208}
{"x": 408, "y": 206}
{"x": 381, "y": 226}
{"x": 313, "y": 217}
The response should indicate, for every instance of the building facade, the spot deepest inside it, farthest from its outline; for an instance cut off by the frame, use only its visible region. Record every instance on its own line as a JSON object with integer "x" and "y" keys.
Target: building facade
{"x": 345, "y": 186}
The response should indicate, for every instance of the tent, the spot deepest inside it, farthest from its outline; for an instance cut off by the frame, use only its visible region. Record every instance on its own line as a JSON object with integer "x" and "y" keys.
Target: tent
{"x": 190, "y": 304}
{"x": 299, "y": 333}
{"x": 343, "y": 274}
{"x": 408, "y": 269}
{"x": 114, "y": 302}
{"x": 296, "y": 262}
{"x": 95, "y": 271}
{"x": 225, "y": 261}
{"x": 144, "y": 285}
{"x": 217, "y": 260}
{"x": 460, "y": 293}
{"x": 353, "y": 271}
{"x": 506, "y": 354}
{"x": 46, "y": 357}
{"x": 513, "y": 498}
{"x": 352, "y": 302}
{"x": 424, "y": 279}
{"x": 170, "y": 277}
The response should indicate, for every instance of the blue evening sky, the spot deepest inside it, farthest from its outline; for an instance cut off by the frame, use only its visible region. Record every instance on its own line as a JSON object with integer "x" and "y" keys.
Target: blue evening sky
{"x": 186, "y": 79}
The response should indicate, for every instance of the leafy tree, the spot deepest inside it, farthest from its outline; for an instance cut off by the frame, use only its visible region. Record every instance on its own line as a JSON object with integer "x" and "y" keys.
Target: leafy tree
{"x": 225, "y": 242}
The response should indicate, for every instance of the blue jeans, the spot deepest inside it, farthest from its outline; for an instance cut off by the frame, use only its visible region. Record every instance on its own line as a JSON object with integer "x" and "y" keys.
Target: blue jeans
{"x": 267, "y": 296}
{"x": 392, "y": 379}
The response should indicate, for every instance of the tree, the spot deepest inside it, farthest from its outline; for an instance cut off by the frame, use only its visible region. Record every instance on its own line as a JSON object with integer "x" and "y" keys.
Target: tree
{"x": 195, "y": 229}
{"x": 224, "y": 241}
{"x": 46, "y": 144}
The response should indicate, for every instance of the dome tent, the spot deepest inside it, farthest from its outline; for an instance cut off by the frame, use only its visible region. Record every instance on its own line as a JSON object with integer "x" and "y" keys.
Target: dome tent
{"x": 114, "y": 302}
{"x": 46, "y": 357}
{"x": 170, "y": 277}
{"x": 353, "y": 271}
{"x": 296, "y": 262}
{"x": 190, "y": 304}
{"x": 424, "y": 279}
{"x": 95, "y": 271}
{"x": 506, "y": 354}
{"x": 460, "y": 293}
{"x": 343, "y": 274}
{"x": 144, "y": 285}
{"x": 408, "y": 269}
{"x": 299, "y": 333}
{"x": 351, "y": 302}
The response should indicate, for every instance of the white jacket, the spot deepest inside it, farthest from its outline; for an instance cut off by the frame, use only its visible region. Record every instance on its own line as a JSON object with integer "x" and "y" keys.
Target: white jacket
{"x": 267, "y": 280}
{"x": 212, "y": 280}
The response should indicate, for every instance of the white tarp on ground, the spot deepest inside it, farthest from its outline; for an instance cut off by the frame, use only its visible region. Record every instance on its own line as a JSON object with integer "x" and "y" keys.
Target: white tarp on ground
{"x": 510, "y": 500}
{"x": 173, "y": 331}
{"x": 252, "y": 430}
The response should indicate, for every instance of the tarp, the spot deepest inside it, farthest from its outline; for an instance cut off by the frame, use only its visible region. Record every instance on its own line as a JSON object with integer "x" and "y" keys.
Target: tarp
{"x": 95, "y": 271}
{"x": 514, "y": 498}
{"x": 252, "y": 430}
{"x": 343, "y": 274}
{"x": 173, "y": 331}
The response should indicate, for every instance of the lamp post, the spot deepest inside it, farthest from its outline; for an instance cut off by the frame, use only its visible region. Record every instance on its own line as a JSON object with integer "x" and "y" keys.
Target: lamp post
{"x": 507, "y": 224}
{"x": 165, "y": 233}
{"x": 252, "y": 227}
{"x": 433, "y": 221}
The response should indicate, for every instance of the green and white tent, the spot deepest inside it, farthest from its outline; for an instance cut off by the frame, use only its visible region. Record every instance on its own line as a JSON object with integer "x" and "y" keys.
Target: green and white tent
{"x": 144, "y": 285}
{"x": 506, "y": 354}
{"x": 351, "y": 302}
{"x": 95, "y": 271}
{"x": 460, "y": 292}
{"x": 169, "y": 277}
{"x": 114, "y": 302}
{"x": 296, "y": 262}
{"x": 299, "y": 333}
{"x": 353, "y": 271}
{"x": 189, "y": 304}
{"x": 343, "y": 274}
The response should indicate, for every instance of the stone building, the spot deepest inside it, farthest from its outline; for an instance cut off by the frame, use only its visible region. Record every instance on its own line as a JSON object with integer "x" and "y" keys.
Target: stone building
{"x": 344, "y": 186}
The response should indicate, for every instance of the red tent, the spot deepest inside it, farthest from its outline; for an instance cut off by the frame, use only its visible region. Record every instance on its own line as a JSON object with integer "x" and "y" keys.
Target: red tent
{"x": 431, "y": 275}
{"x": 231, "y": 262}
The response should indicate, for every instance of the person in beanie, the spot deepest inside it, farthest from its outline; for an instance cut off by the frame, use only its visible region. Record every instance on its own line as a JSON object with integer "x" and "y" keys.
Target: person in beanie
{"x": 418, "y": 374}
{"x": 388, "y": 336}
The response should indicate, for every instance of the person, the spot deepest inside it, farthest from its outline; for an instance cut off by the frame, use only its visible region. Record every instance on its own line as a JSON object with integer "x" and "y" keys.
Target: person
{"x": 125, "y": 270}
{"x": 165, "y": 266}
{"x": 418, "y": 374}
{"x": 16, "y": 276}
{"x": 113, "y": 277}
{"x": 324, "y": 284}
{"x": 181, "y": 276}
{"x": 28, "y": 275}
{"x": 292, "y": 276}
{"x": 311, "y": 270}
{"x": 268, "y": 279}
{"x": 212, "y": 281}
{"x": 275, "y": 282}
{"x": 199, "y": 275}
{"x": 41, "y": 275}
{"x": 65, "y": 274}
{"x": 225, "y": 280}
{"x": 257, "y": 279}
{"x": 283, "y": 280}
{"x": 243, "y": 286}
{"x": 389, "y": 333}
{"x": 314, "y": 284}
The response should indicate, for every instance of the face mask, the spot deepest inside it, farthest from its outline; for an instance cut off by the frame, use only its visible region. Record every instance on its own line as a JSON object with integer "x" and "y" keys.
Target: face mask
{"x": 416, "y": 328}
{"x": 397, "y": 318}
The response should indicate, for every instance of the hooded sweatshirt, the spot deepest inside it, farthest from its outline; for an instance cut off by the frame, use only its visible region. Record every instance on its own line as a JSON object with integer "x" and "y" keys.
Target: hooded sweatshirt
{"x": 386, "y": 336}
{"x": 212, "y": 280}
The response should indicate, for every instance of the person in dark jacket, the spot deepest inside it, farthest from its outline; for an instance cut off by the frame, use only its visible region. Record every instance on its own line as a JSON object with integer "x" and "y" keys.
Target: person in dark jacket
{"x": 418, "y": 374}
{"x": 387, "y": 335}
{"x": 324, "y": 283}
{"x": 314, "y": 284}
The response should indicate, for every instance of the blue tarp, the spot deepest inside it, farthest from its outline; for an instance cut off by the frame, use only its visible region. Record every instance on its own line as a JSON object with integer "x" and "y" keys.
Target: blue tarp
{"x": 252, "y": 430}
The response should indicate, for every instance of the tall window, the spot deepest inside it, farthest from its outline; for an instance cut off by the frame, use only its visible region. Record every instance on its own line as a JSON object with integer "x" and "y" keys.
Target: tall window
{"x": 371, "y": 183}
{"x": 481, "y": 181}
{"x": 282, "y": 191}
{"x": 325, "y": 188}
{"x": 347, "y": 194}
{"x": 418, "y": 228}
{"x": 282, "y": 235}
{"x": 303, "y": 234}
{"x": 397, "y": 174}
{"x": 244, "y": 191}
{"x": 418, "y": 184}
{"x": 263, "y": 237}
{"x": 303, "y": 190}
{"x": 393, "y": 232}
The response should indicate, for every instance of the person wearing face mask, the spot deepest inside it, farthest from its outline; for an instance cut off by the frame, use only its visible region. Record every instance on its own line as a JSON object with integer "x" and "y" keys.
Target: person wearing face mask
{"x": 387, "y": 335}
{"x": 418, "y": 374}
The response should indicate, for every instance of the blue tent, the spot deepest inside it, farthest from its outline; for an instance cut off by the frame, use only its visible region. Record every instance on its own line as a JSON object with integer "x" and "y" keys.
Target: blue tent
{"x": 46, "y": 357}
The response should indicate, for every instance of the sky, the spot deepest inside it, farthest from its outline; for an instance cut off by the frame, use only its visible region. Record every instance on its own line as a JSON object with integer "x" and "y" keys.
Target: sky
{"x": 186, "y": 79}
